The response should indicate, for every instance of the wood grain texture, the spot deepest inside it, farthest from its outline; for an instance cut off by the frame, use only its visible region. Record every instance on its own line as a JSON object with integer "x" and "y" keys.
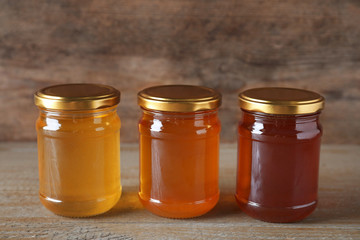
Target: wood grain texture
{"x": 23, "y": 217}
{"x": 228, "y": 45}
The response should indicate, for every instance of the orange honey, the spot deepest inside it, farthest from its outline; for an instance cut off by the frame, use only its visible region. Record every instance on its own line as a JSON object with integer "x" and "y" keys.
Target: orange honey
{"x": 179, "y": 150}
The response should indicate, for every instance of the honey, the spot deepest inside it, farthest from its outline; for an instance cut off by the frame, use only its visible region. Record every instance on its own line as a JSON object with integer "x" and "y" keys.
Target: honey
{"x": 78, "y": 149}
{"x": 279, "y": 139}
{"x": 179, "y": 150}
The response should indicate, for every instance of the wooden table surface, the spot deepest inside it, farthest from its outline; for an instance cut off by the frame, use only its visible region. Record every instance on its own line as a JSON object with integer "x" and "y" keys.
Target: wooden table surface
{"x": 22, "y": 216}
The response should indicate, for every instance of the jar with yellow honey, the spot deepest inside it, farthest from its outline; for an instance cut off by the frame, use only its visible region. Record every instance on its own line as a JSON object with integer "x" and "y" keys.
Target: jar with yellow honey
{"x": 78, "y": 132}
{"x": 179, "y": 150}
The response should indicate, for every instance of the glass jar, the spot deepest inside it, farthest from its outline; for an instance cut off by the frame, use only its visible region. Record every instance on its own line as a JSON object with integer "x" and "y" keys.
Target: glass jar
{"x": 78, "y": 133}
{"x": 179, "y": 150}
{"x": 278, "y": 153}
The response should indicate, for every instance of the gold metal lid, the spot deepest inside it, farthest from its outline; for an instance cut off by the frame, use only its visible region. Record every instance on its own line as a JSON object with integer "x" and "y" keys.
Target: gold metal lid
{"x": 79, "y": 96}
{"x": 179, "y": 98}
{"x": 289, "y": 101}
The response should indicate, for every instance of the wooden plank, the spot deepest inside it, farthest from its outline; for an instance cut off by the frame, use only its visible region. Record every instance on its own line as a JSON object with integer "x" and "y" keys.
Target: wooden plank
{"x": 227, "y": 45}
{"x": 22, "y": 216}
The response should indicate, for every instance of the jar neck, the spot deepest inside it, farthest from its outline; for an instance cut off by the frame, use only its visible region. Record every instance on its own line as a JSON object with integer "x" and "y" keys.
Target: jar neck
{"x": 77, "y": 113}
{"x": 278, "y": 120}
{"x": 184, "y": 115}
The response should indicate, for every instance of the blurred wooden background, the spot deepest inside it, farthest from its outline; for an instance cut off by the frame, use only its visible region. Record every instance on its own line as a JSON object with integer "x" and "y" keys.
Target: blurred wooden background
{"x": 225, "y": 44}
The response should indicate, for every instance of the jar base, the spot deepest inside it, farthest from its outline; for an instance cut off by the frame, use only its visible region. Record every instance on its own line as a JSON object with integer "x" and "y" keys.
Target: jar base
{"x": 80, "y": 209}
{"x": 179, "y": 210}
{"x": 276, "y": 215}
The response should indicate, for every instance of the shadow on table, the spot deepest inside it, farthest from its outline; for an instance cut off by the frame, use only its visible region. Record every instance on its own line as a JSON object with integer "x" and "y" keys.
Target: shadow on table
{"x": 226, "y": 207}
{"x": 332, "y": 206}
{"x": 129, "y": 203}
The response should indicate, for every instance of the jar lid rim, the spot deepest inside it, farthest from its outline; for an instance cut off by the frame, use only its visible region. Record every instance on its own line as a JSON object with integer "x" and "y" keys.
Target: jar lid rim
{"x": 179, "y": 98}
{"x": 277, "y": 100}
{"x": 77, "y": 96}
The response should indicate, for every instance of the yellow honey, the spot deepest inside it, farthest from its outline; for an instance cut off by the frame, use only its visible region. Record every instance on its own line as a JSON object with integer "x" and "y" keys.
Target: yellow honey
{"x": 78, "y": 149}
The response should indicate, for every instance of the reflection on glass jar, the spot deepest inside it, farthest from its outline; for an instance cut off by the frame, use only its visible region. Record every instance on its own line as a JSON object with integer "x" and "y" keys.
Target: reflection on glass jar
{"x": 179, "y": 150}
{"x": 78, "y": 148}
{"x": 278, "y": 153}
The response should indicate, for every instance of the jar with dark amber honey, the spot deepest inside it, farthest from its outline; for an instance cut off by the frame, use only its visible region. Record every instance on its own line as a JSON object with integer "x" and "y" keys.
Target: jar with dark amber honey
{"x": 78, "y": 132}
{"x": 278, "y": 153}
{"x": 179, "y": 150}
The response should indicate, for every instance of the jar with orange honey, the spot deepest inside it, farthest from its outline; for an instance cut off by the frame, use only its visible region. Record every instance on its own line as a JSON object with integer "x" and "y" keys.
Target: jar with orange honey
{"x": 278, "y": 153}
{"x": 78, "y": 132}
{"x": 179, "y": 150}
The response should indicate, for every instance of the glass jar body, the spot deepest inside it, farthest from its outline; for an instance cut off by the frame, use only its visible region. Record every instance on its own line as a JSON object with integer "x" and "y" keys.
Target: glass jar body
{"x": 179, "y": 162}
{"x": 79, "y": 161}
{"x": 278, "y": 165}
